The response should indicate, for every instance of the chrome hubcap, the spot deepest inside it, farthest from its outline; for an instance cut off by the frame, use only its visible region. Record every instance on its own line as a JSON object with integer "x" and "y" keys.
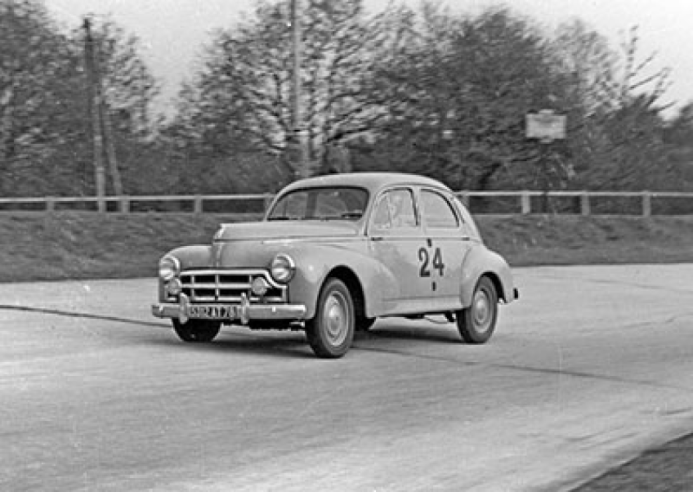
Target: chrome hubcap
{"x": 336, "y": 318}
{"x": 482, "y": 312}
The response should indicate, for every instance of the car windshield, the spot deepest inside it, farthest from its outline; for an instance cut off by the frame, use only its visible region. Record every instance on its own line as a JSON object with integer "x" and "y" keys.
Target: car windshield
{"x": 333, "y": 203}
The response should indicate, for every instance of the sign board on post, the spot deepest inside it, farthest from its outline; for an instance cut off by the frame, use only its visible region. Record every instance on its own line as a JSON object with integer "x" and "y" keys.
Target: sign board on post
{"x": 545, "y": 125}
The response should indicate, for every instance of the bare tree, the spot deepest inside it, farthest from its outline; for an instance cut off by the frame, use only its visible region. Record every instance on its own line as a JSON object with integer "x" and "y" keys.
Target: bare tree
{"x": 30, "y": 97}
{"x": 243, "y": 91}
{"x": 614, "y": 105}
{"x": 457, "y": 93}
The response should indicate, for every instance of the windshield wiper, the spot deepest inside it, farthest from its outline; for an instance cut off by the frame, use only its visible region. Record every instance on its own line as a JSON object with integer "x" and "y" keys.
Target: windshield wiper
{"x": 287, "y": 217}
{"x": 352, "y": 215}
{"x": 342, "y": 216}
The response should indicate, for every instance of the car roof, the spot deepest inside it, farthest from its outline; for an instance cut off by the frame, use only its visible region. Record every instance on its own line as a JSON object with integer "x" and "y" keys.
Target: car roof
{"x": 370, "y": 180}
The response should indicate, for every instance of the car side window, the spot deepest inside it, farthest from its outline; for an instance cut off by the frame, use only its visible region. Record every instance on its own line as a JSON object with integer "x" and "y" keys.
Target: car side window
{"x": 467, "y": 219}
{"x": 395, "y": 210}
{"x": 437, "y": 211}
{"x": 381, "y": 217}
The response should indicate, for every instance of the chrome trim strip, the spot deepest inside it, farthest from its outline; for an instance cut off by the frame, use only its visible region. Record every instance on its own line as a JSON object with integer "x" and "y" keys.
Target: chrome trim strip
{"x": 218, "y": 285}
{"x": 237, "y": 299}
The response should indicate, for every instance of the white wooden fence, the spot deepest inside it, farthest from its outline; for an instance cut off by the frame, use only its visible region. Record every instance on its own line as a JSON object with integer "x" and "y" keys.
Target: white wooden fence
{"x": 642, "y": 203}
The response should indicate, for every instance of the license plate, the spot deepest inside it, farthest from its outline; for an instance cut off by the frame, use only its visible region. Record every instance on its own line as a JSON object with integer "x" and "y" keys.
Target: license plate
{"x": 211, "y": 312}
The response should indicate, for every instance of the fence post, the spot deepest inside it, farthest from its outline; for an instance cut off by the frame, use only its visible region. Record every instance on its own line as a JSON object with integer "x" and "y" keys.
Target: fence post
{"x": 124, "y": 205}
{"x": 197, "y": 205}
{"x": 526, "y": 203}
{"x": 267, "y": 201}
{"x": 464, "y": 198}
{"x": 646, "y": 203}
{"x": 585, "y": 203}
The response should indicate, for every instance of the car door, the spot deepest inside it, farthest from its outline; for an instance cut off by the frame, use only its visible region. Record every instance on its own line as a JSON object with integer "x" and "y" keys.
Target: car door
{"x": 395, "y": 237}
{"x": 447, "y": 243}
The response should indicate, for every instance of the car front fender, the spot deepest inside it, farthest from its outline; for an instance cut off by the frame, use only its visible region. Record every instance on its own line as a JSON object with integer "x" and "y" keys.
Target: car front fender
{"x": 194, "y": 256}
{"x": 315, "y": 264}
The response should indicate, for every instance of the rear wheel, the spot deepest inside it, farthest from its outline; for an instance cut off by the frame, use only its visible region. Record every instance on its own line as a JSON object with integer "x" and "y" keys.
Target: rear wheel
{"x": 197, "y": 330}
{"x": 331, "y": 332}
{"x": 477, "y": 322}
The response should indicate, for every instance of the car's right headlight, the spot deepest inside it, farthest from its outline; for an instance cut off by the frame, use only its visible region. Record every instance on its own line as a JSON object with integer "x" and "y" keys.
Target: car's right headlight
{"x": 283, "y": 268}
{"x": 169, "y": 268}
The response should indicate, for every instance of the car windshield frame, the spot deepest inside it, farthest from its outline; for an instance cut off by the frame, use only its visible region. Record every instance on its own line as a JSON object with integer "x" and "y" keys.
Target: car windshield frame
{"x": 315, "y": 203}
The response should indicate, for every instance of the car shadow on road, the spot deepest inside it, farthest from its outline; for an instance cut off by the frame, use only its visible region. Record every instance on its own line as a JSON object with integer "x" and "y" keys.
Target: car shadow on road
{"x": 440, "y": 334}
{"x": 293, "y": 344}
{"x": 278, "y": 344}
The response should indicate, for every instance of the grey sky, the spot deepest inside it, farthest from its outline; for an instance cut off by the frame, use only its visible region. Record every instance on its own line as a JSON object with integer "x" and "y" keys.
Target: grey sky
{"x": 173, "y": 31}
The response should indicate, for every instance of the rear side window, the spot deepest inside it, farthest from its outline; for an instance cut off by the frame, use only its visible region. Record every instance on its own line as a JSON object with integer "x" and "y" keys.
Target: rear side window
{"x": 437, "y": 211}
{"x": 395, "y": 210}
{"x": 469, "y": 224}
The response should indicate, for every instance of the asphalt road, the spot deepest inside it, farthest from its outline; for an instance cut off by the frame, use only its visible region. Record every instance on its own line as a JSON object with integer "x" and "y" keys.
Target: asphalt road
{"x": 590, "y": 367}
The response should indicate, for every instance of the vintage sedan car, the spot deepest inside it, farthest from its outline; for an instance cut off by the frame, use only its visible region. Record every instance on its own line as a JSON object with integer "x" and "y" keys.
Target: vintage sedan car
{"x": 333, "y": 254}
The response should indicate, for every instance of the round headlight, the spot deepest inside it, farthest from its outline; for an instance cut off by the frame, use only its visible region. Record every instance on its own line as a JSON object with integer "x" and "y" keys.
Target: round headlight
{"x": 283, "y": 268}
{"x": 169, "y": 268}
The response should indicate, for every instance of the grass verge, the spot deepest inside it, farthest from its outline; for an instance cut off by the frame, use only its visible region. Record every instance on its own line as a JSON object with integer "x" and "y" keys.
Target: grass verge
{"x": 86, "y": 245}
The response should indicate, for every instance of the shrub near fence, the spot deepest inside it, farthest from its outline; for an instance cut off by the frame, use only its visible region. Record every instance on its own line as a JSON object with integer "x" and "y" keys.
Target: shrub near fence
{"x": 643, "y": 203}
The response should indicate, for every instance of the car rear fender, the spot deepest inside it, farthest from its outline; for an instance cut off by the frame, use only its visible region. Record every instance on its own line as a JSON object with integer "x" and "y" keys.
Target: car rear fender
{"x": 483, "y": 262}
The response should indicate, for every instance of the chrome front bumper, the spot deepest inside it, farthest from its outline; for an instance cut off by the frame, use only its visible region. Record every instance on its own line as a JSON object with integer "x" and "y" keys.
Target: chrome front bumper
{"x": 242, "y": 312}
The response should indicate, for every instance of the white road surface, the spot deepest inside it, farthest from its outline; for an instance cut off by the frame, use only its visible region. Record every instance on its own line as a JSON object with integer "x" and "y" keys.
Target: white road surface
{"x": 590, "y": 367}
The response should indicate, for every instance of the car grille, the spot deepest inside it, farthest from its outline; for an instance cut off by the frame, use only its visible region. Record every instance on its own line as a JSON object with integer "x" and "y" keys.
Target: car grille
{"x": 228, "y": 285}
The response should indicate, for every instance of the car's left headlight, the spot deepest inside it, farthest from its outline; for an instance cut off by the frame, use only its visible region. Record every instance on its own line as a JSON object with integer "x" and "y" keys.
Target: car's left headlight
{"x": 283, "y": 268}
{"x": 169, "y": 268}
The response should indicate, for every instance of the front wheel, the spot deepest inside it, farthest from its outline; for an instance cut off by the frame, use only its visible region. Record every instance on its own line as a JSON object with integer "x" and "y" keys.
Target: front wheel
{"x": 197, "y": 330}
{"x": 331, "y": 331}
{"x": 477, "y": 322}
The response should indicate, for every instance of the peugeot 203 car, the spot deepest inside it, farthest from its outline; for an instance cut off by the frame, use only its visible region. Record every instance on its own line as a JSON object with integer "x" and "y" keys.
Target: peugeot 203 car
{"x": 333, "y": 254}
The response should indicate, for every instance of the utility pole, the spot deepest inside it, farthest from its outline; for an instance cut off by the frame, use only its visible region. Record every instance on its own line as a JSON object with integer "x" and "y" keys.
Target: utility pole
{"x": 300, "y": 136}
{"x": 101, "y": 121}
{"x": 95, "y": 112}
{"x": 109, "y": 139}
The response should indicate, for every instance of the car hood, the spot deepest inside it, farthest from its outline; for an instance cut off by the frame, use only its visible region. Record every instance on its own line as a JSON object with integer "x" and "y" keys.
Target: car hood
{"x": 279, "y": 230}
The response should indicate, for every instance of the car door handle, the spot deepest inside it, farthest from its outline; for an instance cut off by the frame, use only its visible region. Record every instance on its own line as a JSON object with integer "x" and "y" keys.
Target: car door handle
{"x": 466, "y": 238}
{"x": 377, "y": 238}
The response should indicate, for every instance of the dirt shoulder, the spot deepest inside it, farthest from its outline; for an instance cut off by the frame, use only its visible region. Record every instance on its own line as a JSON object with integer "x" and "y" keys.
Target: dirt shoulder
{"x": 663, "y": 469}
